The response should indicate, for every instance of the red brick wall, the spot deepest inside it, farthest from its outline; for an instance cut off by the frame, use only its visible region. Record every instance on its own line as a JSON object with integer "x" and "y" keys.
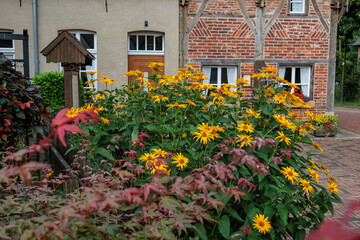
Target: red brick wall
{"x": 222, "y": 33}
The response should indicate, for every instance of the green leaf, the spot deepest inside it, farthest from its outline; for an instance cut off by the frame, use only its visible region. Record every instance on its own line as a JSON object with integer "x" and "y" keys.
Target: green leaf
{"x": 300, "y": 234}
{"x": 233, "y": 213}
{"x": 103, "y": 152}
{"x": 267, "y": 109}
{"x": 201, "y": 231}
{"x": 224, "y": 226}
{"x": 135, "y": 133}
{"x": 269, "y": 212}
{"x": 283, "y": 212}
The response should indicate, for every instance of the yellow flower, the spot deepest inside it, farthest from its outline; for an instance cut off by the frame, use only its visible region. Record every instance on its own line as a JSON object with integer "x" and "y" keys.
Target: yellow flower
{"x": 318, "y": 146}
{"x": 91, "y": 72}
{"x": 148, "y": 157}
{"x": 190, "y": 67}
{"x": 254, "y": 114}
{"x": 176, "y": 104}
{"x": 97, "y": 110}
{"x": 156, "y": 66}
{"x": 180, "y": 160}
{"x": 333, "y": 179}
{"x": 160, "y": 152}
{"x": 283, "y": 137}
{"x": 167, "y": 80}
{"x": 241, "y": 81}
{"x": 106, "y": 121}
{"x": 270, "y": 69}
{"x": 245, "y": 127}
{"x": 204, "y": 136}
{"x": 314, "y": 165}
{"x": 290, "y": 174}
{"x": 183, "y": 135}
{"x": 191, "y": 102}
{"x": 261, "y": 223}
{"x": 333, "y": 187}
{"x": 323, "y": 167}
{"x": 306, "y": 185}
{"x": 159, "y": 98}
{"x": 280, "y": 98}
{"x": 245, "y": 140}
{"x": 120, "y": 106}
{"x": 71, "y": 113}
{"x": 108, "y": 81}
{"x": 217, "y": 96}
{"x": 99, "y": 96}
{"x": 313, "y": 174}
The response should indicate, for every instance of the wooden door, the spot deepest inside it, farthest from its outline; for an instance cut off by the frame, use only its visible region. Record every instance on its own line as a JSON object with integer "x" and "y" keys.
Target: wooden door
{"x": 141, "y": 62}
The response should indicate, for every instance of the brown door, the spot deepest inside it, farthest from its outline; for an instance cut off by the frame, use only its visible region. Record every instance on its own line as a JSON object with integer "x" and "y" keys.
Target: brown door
{"x": 141, "y": 62}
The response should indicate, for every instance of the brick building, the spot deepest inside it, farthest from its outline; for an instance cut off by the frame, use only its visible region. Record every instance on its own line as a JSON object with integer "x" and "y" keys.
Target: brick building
{"x": 228, "y": 39}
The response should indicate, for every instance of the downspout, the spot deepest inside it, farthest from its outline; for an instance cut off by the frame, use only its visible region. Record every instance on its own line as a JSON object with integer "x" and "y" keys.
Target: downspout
{"x": 35, "y": 34}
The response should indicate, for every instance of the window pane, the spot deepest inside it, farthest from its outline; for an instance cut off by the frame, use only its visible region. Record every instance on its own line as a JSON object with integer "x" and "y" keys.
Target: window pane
{"x": 213, "y": 76}
{"x": 159, "y": 43}
{"x": 6, "y": 43}
{"x": 141, "y": 42}
{"x": 297, "y": 75}
{"x": 132, "y": 42}
{"x": 150, "y": 43}
{"x": 287, "y": 75}
{"x": 87, "y": 40}
{"x": 296, "y": 7}
{"x": 224, "y": 76}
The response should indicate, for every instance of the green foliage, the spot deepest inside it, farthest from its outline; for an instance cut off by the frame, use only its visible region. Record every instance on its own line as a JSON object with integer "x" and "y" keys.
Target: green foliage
{"x": 349, "y": 73}
{"x": 21, "y": 105}
{"x": 176, "y": 162}
{"x": 52, "y": 89}
{"x": 325, "y": 118}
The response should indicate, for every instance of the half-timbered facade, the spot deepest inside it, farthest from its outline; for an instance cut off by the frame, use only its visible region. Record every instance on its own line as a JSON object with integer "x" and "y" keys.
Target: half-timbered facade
{"x": 228, "y": 39}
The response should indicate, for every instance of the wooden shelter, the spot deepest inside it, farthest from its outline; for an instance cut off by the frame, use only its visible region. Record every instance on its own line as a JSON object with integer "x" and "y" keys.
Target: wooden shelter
{"x": 357, "y": 44}
{"x": 67, "y": 50}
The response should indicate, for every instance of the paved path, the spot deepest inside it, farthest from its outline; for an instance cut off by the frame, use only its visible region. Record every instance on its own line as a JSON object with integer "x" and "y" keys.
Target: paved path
{"x": 341, "y": 156}
{"x": 349, "y": 118}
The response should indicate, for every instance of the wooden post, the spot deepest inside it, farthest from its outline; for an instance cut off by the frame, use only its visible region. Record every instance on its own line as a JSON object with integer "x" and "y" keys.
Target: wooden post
{"x": 334, "y": 18}
{"x": 71, "y": 85}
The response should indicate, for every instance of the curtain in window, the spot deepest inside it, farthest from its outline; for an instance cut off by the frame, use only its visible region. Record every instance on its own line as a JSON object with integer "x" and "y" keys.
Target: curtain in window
{"x": 231, "y": 73}
{"x": 304, "y": 80}
{"x": 207, "y": 74}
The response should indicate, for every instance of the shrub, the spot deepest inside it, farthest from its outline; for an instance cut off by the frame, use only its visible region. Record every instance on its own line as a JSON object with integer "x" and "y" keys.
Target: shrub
{"x": 21, "y": 105}
{"x": 183, "y": 160}
{"x": 52, "y": 89}
{"x": 324, "y": 119}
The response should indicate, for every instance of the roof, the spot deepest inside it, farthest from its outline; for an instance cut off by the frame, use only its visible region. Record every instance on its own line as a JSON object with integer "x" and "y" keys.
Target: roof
{"x": 66, "y": 48}
{"x": 357, "y": 42}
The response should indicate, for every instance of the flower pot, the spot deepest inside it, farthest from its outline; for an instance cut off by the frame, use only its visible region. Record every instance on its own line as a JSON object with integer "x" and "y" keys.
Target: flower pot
{"x": 322, "y": 132}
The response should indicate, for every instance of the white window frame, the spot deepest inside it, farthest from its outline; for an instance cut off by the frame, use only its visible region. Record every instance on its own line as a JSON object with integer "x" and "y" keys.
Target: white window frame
{"x": 93, "y": 51}
{"x": 297, "y": 1}
{"x": 146, "y": 52}
{"x": 219, "y": 67}
{"x": 292, "y": 80}
{"x": 8, "y": 51}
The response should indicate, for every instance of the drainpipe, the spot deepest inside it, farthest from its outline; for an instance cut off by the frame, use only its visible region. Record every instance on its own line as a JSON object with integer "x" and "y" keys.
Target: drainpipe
{"x": 35, "y": 34}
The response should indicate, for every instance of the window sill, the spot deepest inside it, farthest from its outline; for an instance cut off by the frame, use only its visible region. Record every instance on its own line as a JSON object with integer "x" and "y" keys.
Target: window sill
{"x": 309, "y": 103}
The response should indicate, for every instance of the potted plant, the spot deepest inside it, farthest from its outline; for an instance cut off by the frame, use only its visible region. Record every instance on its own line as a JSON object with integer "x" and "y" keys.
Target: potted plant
{"x": 325, "y": 124}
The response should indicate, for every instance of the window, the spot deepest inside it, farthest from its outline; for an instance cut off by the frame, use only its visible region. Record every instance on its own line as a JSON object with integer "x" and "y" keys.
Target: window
{"x": 7, "y": 47}
{"x": 142, "y": 43}
{"x": 89, "y": 41}
{"x": 297, "y": 6}
{"x": 299, "y": 76}
{"x": 217, "y": 75}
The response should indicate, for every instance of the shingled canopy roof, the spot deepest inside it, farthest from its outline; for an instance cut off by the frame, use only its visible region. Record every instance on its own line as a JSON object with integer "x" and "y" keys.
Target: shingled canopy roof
{"x": 65, "y": 48}
{"x": 357, "y": 42}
